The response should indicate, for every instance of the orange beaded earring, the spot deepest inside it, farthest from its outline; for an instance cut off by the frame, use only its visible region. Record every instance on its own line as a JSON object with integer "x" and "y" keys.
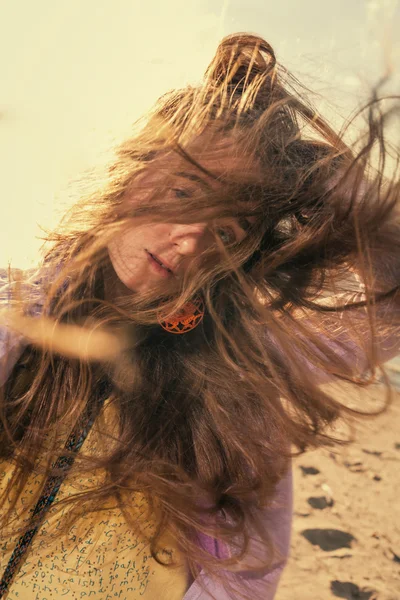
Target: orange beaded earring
{"x": 186, "y": 319}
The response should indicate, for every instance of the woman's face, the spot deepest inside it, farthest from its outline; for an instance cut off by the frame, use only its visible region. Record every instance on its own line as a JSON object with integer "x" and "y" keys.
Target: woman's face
{"x": 154, "y": 256}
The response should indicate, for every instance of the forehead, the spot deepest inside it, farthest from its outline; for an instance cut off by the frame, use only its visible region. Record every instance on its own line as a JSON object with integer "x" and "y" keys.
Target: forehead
{"x": 213, "y": 159}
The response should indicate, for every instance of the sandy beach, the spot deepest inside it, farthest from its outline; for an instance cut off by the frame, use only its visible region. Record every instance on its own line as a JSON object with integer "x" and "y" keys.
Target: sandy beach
{"x": 346, "y": 534}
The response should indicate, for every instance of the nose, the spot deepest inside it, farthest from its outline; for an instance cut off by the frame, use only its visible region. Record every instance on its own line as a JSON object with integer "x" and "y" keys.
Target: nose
{"x": 188, "y": 238}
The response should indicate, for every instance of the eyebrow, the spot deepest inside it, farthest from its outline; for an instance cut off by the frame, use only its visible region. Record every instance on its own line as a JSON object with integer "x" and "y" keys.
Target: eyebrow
{"x": 193, "y": 177}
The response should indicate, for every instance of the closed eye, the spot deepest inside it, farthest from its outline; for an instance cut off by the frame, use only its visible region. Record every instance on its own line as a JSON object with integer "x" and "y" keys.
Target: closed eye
{"x": 181, "y": 193}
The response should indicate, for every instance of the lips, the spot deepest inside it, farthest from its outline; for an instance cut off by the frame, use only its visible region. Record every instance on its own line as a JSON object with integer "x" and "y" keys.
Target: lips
{"x": 159, "y": 262}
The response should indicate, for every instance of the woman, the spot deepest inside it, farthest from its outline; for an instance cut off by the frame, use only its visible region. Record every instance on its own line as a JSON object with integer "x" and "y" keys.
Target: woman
{"x": 165, "y": 362}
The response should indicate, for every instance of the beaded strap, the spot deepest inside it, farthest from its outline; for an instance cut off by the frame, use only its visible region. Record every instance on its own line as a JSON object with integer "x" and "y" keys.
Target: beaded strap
{"x": 53, "y": 484}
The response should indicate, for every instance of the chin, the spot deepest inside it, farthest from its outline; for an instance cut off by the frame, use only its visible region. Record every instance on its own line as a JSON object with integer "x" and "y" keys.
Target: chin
{"x": 117, "y": 284}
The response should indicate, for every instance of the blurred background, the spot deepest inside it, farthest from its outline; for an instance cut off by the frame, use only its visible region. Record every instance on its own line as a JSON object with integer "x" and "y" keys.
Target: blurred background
{"x": 76, "y": 74}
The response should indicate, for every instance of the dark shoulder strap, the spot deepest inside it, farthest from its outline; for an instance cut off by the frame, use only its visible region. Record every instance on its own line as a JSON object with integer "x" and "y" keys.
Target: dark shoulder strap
{"x": 53, "y": 484}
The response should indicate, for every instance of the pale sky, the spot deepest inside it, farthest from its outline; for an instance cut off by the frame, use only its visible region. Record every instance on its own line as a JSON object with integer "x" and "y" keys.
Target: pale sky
{"x": 76, "y": 73}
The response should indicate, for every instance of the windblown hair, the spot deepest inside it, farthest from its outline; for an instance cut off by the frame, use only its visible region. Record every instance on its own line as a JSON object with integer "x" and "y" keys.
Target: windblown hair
{"x": 206, "y": 422}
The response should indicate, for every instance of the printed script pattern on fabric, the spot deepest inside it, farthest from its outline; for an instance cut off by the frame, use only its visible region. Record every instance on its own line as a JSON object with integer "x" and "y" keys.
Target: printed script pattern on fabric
{"x": 97, "y": 557}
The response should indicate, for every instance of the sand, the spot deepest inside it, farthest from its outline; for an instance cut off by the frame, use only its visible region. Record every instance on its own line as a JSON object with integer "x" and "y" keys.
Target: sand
{"x": 346, "y": 533}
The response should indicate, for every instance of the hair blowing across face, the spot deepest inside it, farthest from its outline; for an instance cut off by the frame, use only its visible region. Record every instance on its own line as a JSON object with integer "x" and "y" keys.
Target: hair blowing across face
{"x": 203, "y": 424}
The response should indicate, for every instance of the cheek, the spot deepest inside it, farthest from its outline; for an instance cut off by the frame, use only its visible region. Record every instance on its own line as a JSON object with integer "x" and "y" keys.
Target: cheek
{"x": 130, "y": 241}
{"x": 124, "y": 246}
{"x": 124, "y": 253}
